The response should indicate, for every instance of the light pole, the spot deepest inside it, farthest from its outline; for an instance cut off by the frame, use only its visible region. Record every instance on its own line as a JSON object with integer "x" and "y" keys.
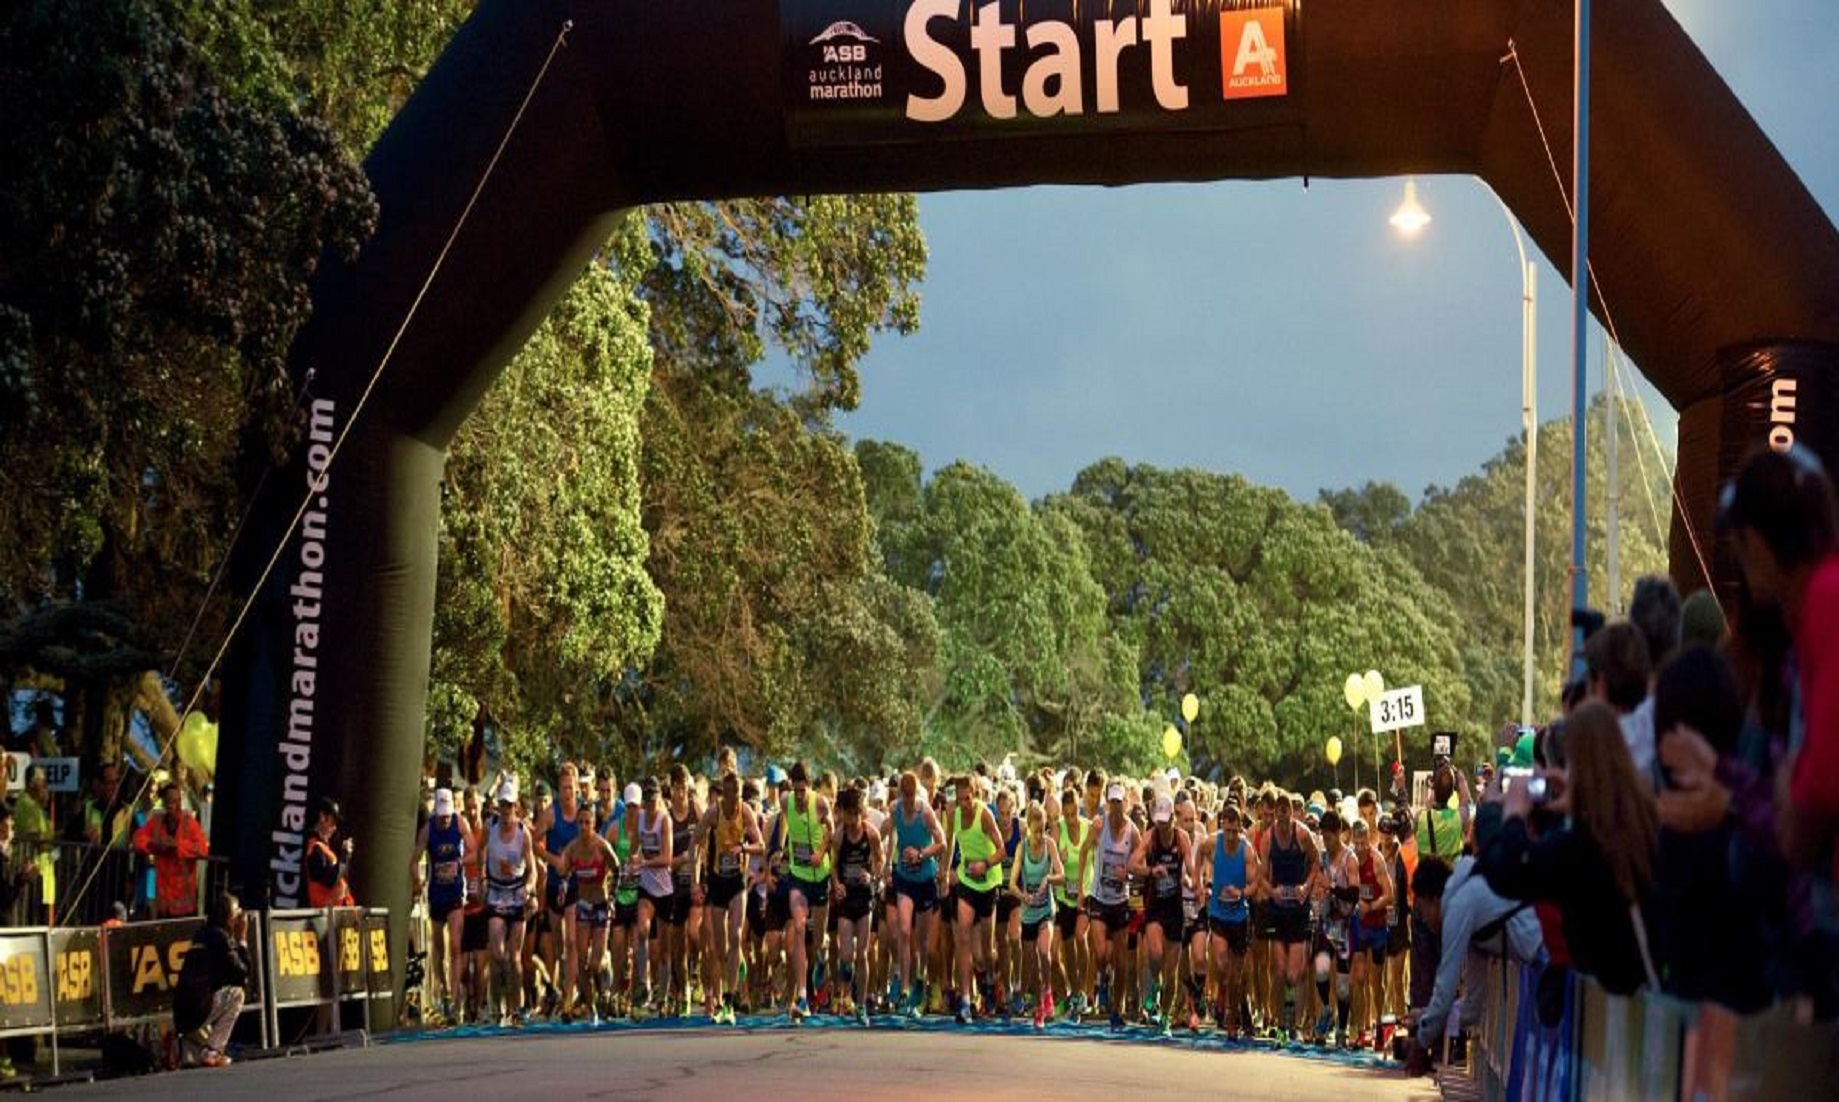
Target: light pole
{"x": 1410, "y": 219}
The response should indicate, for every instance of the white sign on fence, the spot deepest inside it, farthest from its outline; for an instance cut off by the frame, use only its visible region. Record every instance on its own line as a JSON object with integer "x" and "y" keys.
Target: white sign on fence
{"x": 16, "y": 764}
{"x": 60, "y": 773}
{"x": 1397, "y": 709}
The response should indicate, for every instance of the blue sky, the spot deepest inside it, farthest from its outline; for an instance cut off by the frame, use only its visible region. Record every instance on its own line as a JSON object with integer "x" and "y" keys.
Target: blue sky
{"x": 1352, "y": 355}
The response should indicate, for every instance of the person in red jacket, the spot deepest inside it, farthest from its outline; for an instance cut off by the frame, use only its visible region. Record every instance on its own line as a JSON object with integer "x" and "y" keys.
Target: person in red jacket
{"x": 177, "y": 844}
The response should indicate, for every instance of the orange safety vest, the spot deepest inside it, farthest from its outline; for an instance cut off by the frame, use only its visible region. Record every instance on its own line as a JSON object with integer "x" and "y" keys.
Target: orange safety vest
{"x": 318, "y": 895}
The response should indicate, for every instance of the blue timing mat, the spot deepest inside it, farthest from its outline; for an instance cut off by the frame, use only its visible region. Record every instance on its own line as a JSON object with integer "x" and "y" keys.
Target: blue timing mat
{"x": 1207, "y": 1040}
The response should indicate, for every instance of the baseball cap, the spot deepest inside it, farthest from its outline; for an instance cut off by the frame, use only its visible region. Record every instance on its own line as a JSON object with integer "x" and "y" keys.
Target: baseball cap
{"x": 507, "y": 792}
{"x": 443, "y": 802}
{"x": 1165, "y": 809}
{"x": 775, "y": 775}
{"x": 633, "y": 794}
{"x": 1115, "y": 792}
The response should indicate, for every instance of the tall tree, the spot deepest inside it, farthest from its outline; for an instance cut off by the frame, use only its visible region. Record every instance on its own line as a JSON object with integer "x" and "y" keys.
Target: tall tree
{"x": 160, "y": 231}
{"x": 1468, "y": 542}
{"x": 1261, "y": 607}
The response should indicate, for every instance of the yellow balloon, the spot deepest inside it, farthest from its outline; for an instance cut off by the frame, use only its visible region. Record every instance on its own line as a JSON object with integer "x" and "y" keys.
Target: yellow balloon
{"x": 1354, "y": 691}
{"x": 1171, "y": 742}
{"x": 1190, "y": 707}
{"x": 191, "y": 739}
{"x": 1334, "y": 749}
{"x": 207, "y": 748}
{"x": 1375, "y": 685}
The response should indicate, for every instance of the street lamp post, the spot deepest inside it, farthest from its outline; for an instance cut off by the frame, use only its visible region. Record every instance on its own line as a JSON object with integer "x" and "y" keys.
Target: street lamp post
{"x": 1410, "y": 219}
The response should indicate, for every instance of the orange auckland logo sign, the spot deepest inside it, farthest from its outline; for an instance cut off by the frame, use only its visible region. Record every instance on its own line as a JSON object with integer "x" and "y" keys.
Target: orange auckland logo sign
{"x": 1252, "y": 58}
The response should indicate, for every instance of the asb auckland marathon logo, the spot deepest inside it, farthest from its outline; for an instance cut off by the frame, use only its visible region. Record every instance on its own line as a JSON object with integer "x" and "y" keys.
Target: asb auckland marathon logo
{"x": 845, "y": 64}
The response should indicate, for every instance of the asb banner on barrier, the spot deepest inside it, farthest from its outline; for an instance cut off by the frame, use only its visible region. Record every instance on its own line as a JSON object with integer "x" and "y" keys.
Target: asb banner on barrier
{"x": 864, "y": 71}
{"x": 144, "y": 959}
{"x": 79, "y": 975}
{"x": 25, "y": 983}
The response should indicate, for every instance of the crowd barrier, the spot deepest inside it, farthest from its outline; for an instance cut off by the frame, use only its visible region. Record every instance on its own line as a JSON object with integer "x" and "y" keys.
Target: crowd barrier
{"x": 57, "y": 982}
{"x": 1609, "y": 1047}
{"x": 78, "y": 883}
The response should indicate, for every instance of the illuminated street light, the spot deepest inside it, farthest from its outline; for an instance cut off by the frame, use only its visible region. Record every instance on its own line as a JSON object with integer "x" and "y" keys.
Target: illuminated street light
{"x": 1411, "y": 217}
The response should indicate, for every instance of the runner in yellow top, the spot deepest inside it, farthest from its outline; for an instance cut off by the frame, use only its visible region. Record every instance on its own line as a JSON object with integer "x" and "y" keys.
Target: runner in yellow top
{"x": 978, "y": 875}
{"x": 804, "y": 834}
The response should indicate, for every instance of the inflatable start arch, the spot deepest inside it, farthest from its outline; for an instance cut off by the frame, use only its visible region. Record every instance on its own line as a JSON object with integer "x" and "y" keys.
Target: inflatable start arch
{"x": 1720, "y": 270}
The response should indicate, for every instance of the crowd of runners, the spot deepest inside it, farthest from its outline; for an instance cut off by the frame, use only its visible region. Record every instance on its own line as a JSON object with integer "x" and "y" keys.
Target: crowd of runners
{"x": 1058, "y": 895}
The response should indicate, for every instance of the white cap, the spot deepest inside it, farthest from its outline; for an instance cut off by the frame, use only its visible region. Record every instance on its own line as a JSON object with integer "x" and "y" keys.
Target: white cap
{"x": 1173, "y": 774}
{"x": 1115, "y": 792}
{"x": 507, "y": 792}
{"x": 443, "y": 802}
{"x": 1165, "y": 810}
{"x": 878, "y": 793}
{"x": 633, "y": 793}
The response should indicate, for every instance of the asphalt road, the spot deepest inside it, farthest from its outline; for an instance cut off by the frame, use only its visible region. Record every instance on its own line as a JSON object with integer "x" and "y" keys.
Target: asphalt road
{"x": 784, "y": 1063}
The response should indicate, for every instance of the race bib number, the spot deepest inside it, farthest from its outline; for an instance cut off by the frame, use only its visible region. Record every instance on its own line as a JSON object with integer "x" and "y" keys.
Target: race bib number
{"x": 729, "y": 864}
{"x": 801, "y": 854}
{"x": 446, "y": 872}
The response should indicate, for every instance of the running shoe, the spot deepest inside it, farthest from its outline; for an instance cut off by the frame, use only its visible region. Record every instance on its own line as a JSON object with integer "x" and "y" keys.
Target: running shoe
{"x": 1167, "y": 1024}
{"x": 1325, "y": 1025}
{"x": 1047, "y": 1005}
{"x": 1117, "y": 1022}
{"x": 1193, "y": 1021}
{"x": 964, "y": 1010}
{"x": 1040, "y": 1015}
{"x": 862, "y": 1016}
{"x": 1103, "y": 1002}
{"x": 801, "y": 1010}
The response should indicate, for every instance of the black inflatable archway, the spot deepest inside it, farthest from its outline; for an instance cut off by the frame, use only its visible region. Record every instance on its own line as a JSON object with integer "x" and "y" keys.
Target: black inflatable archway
{"x": 1721, "y": 270}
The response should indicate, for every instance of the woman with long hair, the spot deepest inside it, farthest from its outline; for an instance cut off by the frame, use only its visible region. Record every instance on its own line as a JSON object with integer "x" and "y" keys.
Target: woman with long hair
{"x": 1584, "y": 838}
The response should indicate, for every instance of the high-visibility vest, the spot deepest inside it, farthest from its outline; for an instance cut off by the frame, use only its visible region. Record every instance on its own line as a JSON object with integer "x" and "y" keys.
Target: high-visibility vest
{"x": 319, "y": 895}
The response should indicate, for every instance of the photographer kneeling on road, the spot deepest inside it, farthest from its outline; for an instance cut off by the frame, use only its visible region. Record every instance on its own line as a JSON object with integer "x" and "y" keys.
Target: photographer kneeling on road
{"x": 212, "y": 985}
{"x": 1475, "y": 925}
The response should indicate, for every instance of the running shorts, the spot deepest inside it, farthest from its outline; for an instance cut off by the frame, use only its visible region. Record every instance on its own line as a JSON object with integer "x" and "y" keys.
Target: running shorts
{"x": 816, "y": 892}
{"x": 980, "y": 903}
{"x": 1370, "y": 940}
{"x": 1114, "y": 916}
{"x": 1066, "y": 919}
{"x": 1166, "y": 914}
{"x": 924, "y": 893}
{"x": 722, "y": 889}
{"x": 510, "y": 916}
{"x": 1289, "y": 925}
{"x": 1032, "y": 930}
{"x": 857, "y": 903}
{"x": 439, "y": 909}
{"x": 1235, "y": 934}
{"x": 1005, "y": 906}
{"x": 593, "y": 915}
{"x": 625, "y": 915}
